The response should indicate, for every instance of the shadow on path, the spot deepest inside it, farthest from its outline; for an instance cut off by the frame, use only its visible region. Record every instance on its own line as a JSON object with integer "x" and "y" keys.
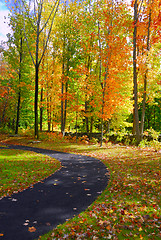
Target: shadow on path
{"x": 59, "y": 197}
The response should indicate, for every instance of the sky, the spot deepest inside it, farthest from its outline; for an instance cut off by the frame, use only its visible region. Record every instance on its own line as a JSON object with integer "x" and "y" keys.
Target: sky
{"x": 4, "y": 28}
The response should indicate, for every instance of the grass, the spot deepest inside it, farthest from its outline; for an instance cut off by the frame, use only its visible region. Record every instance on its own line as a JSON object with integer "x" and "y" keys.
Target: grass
{"x": 129, "y": 208}
{"x": 20, "y": 170}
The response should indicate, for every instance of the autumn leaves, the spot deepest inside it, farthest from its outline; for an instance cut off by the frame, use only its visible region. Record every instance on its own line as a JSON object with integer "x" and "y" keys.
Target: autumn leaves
{"x": 84, "y": 74}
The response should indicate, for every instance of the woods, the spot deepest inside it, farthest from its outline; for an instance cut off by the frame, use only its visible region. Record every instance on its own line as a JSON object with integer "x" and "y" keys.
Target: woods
{"x": 82, "y": 66}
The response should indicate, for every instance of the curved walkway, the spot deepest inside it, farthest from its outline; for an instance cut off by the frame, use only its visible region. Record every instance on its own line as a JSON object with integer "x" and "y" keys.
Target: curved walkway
{"x": 59, "y": 197}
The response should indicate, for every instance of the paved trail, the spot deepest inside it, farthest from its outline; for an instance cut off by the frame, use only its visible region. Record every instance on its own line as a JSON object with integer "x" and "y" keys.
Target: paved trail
{"x": 64, "y": 194}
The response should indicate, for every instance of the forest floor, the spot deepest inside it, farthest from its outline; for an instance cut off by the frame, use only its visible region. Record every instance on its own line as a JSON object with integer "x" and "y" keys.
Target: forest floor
{"x": 130, "y": 206}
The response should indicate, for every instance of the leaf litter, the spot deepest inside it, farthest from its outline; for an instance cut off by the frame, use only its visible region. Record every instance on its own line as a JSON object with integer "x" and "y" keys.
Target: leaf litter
{"x": 129, "y": 208}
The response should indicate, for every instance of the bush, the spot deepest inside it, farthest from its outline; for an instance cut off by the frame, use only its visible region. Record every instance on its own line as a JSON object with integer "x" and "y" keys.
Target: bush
{"x": 93, "y": 141}
{"x": 155, "y": 144}
{"x": 83, "y": 139}
{"x": 7, "y": 130}
{"x": 144, "y": 143}
{"x": 151, "y": 139}
{"x": 53, "y": 137}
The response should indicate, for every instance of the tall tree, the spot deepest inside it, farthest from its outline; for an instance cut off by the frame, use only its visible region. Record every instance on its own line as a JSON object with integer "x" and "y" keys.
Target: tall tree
{"x": 34, "y": 15}
{"x": 136, "y": 115}
{"x": 144, "y": 35}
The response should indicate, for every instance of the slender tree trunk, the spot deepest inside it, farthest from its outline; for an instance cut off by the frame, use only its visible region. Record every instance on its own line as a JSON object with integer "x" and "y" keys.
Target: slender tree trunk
{"x": 18, "y": 112}
{"x": 134, "y": 125}
{"x": 65, "y": 109}
{"x": 91, "y": 126}
{"x": 145, "y": 78}
{"x": 102, "y": 125}
{"x": 4, "y": 111}
{"x": 63, "y": 78}
{"x": 62, "y": 107}
{"x": 19, "y": 93}
{"x": 135, "y": 74}
{"x": 154, "y": 117}
{"x": 36, "y": 100}
{"x": 5, "y": 105}
{"x": 41, "y": 109}
{"x": 48, "y": 112}
{"x": 86, "y": 117}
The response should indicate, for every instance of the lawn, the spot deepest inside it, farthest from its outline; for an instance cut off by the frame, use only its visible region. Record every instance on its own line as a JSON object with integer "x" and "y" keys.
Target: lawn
{"x": 129, "y": 208}
{"x": 20, "y": 170}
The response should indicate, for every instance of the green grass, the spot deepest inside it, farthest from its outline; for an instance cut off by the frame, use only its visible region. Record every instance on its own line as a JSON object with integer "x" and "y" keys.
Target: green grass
{"x": 130, "y": 206}
{"x": 20, "y": 169}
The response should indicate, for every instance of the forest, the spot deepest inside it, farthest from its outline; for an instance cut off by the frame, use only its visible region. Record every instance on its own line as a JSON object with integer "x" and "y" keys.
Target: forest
{"x": 82, "y": 67}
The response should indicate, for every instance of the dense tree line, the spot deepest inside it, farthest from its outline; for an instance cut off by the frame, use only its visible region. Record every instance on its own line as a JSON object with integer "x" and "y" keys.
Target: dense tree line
{"x": 82, "y": 66}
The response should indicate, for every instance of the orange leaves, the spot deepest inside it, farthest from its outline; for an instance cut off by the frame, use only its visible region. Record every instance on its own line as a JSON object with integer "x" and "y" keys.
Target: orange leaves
{"x": 32, "y": 229}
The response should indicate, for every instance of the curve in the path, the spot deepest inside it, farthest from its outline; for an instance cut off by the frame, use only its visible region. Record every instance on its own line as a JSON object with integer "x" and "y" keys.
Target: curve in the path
{"x": 59, "y": 197}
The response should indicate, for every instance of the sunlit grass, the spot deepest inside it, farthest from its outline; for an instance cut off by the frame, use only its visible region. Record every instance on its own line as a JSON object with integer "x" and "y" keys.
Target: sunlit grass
{"x": 130, "y": 206}
{"x": 20, "y": 169}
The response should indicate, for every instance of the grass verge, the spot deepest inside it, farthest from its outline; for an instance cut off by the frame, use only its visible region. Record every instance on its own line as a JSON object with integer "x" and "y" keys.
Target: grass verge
{"x": 20, "y": 170}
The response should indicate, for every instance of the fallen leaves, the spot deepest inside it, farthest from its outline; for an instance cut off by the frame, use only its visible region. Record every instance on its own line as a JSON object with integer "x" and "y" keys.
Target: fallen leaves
{"x": 32, "y": 229}
{"x": 130, "y": 206}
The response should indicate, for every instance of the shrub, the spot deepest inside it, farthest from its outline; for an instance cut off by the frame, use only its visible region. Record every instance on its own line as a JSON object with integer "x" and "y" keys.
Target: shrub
{"x": 83, "y": 139}
{"x": 144, "y": 143}
{"x": 93, "y": 141}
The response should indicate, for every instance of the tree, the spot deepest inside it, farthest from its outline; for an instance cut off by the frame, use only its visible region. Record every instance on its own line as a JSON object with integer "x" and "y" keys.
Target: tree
{"x": 143, "y": 40}
{"x": 136, "y": 115}
{"x": 38, "y": 24}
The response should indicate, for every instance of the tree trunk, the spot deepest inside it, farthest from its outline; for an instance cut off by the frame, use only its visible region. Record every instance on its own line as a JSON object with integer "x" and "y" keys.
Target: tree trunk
{"x": 145, "y": 78}
{"x": 65, "y": 109}
{"x": 36, "y": 100}
{"x": 135, "y": 75}
{"x": 62, "y": 107}
{"x": 48, "y": 112}
{"x": 18, "y": 112}
{"x": 19, "y": 93}
{"x": 86, "y": 117}
{"x": 41, "y": 109}
{"x": 5, "y": 105}
{"x": 91, "y": 126}
{"x": 102, "y": 125}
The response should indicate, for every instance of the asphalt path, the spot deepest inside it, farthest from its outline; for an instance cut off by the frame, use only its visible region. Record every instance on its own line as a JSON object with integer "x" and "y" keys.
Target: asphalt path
{"x": 54, "y": 200}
